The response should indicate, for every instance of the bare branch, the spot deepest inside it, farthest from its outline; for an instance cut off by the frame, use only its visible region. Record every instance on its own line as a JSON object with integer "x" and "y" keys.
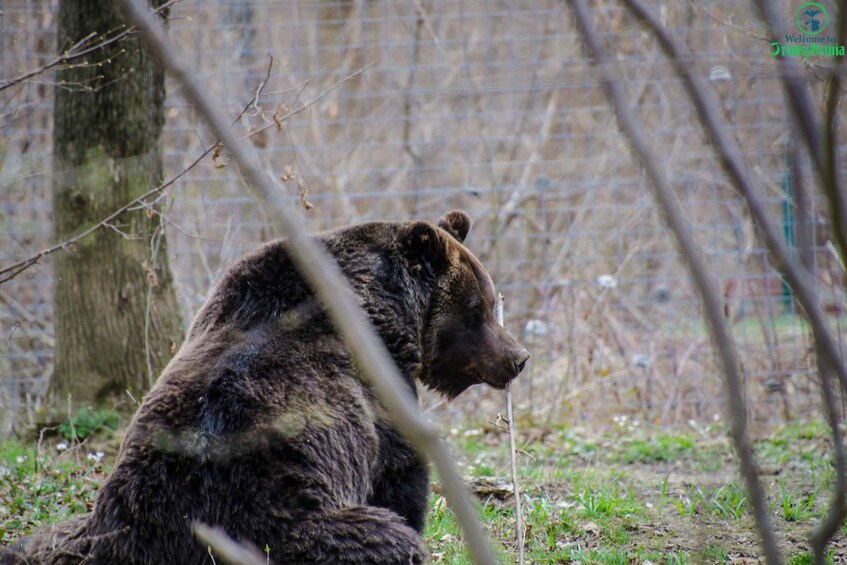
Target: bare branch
{"x": 511, "y": 207}
{"x": 802, "y": 203}
{"x": 796, "y": 90}
{"x": 826, "y": 528}
{"x": 831, "y": 180}
{"x": 822, "y": 147}
{"x": 325, "y": 277}
{"x": 829, "y": 525}
{"x": 519, "y": 534}
{"x": 730, "y": 153}
{"x": 635, "y": 133}
{"x": 797, "y": 272}
{"x": 727, "y": 23}
{"x": 12, "y": 271}
{"x": 76, "y": 51}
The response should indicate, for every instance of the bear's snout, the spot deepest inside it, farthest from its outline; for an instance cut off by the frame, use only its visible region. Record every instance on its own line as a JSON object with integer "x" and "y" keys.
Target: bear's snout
{"x": 519, "y": 361}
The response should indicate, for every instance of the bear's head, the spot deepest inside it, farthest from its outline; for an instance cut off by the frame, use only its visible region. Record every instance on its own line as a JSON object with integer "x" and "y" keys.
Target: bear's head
{"x": 462, "y": 342}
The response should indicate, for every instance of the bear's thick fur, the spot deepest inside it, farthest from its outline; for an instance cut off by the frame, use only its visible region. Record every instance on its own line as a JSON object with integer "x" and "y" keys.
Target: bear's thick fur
{"x": 261, "y": 426}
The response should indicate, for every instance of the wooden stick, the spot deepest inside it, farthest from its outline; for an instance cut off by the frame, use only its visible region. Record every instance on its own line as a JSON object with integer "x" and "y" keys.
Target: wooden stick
{"x": 513, "y": 452}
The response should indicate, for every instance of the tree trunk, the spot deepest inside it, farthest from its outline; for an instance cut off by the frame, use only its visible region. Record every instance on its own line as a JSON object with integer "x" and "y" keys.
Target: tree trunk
{"x": 116, "y": 314}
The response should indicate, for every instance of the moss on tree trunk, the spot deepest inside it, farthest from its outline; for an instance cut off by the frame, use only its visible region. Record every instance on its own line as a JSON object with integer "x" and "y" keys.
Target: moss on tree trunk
{"x": 116, "y": 314}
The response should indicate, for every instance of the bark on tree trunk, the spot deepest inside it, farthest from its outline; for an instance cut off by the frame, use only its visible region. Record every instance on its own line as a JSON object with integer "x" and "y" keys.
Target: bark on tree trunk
{"x": 116, "y": 314}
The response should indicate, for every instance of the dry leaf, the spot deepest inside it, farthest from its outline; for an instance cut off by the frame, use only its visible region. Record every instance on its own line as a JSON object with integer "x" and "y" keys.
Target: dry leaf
{"x": 281, "y": 110}
{"x": 287, "y": 173}
{"x": 304, "y": 193}
{"x": 152, "y": 278}
{"x": 259, "y": 138}
{"x": 217, "y": 162}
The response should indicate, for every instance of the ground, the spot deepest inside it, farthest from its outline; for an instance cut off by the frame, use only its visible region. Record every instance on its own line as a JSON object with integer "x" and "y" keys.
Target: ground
{"x": 625, "y": 495}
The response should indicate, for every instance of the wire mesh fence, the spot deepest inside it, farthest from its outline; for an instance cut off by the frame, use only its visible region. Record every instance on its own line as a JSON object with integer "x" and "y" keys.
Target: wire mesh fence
{"x": 414, "y": 108}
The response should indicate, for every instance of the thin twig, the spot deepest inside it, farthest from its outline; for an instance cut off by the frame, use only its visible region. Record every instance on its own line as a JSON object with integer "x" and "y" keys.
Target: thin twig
{"x": 255, "y": 100}
{"x": 511, "y": 207}
{"x": 45, "y": 337}
{"x": 10, "y": 272}
{"x": 426, "y": 20}
{"x": 326, "y": 279}
{"x": 317, "y": 98}
{"x": 634, "y": 130}
{"x": 831, "y": 180}
{"x": 519, "y": 534}
{"x": 823, "y": 532}
{"x": 155, "y": 241}
{"x": 75, "y": 51}
{"x": 796, "y": 90}
{"x": 727, "y": 148}
{"x": 828, "y": 354}
{"x": 727, "y": 23}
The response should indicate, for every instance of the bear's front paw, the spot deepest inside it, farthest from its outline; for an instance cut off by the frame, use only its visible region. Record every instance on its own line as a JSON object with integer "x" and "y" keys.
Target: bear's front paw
{"x": 410, "y": 547}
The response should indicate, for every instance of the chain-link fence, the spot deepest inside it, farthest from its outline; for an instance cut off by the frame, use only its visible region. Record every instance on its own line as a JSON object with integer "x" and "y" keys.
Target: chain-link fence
{"x": 485, "y": 105}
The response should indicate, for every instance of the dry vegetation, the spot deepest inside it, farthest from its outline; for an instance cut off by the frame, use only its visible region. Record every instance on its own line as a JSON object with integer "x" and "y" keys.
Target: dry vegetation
{"x": 486, "y": 106}
{"x": 416, "y": 108}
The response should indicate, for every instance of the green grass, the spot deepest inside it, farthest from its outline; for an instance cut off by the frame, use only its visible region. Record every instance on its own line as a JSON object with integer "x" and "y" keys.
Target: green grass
{"x": 89, "y": 421}
{"x": 43, "y": 489}
{"x": 806, "y": 559}
{"x": 714, "y": 554}
{"x": 662, "y": 448}
{"x": 623, "y": 496}
{"x": 795, "y": 505}
{"x": 620, "y": 496}
{"x": 443, "y": 534}
{"x": 607, "y": 501}
{"x": 726, "y": 502}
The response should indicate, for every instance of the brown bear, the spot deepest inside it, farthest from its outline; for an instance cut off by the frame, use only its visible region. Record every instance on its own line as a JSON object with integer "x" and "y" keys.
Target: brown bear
{"x": 261, "y": 425}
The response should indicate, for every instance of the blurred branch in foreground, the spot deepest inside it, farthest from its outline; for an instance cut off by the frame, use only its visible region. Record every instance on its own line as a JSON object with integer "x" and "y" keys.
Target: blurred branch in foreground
{"x": 704, "y": 282}
{"x": 795, "y": 270}
{"x": 325, "y": 277}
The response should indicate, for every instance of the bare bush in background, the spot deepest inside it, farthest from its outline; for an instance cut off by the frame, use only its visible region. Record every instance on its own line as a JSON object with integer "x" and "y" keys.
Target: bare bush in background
{"x": 807, "y": 126}
{"x": 491, "y": 107}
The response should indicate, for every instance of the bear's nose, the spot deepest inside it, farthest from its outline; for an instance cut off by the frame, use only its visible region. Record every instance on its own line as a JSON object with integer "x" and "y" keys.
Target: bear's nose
{"x": 520, "y": 360}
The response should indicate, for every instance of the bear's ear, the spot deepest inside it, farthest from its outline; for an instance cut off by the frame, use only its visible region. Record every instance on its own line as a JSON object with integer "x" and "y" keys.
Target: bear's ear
{"x": 422, "y": 244}
{"x": 457, "y": 224}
